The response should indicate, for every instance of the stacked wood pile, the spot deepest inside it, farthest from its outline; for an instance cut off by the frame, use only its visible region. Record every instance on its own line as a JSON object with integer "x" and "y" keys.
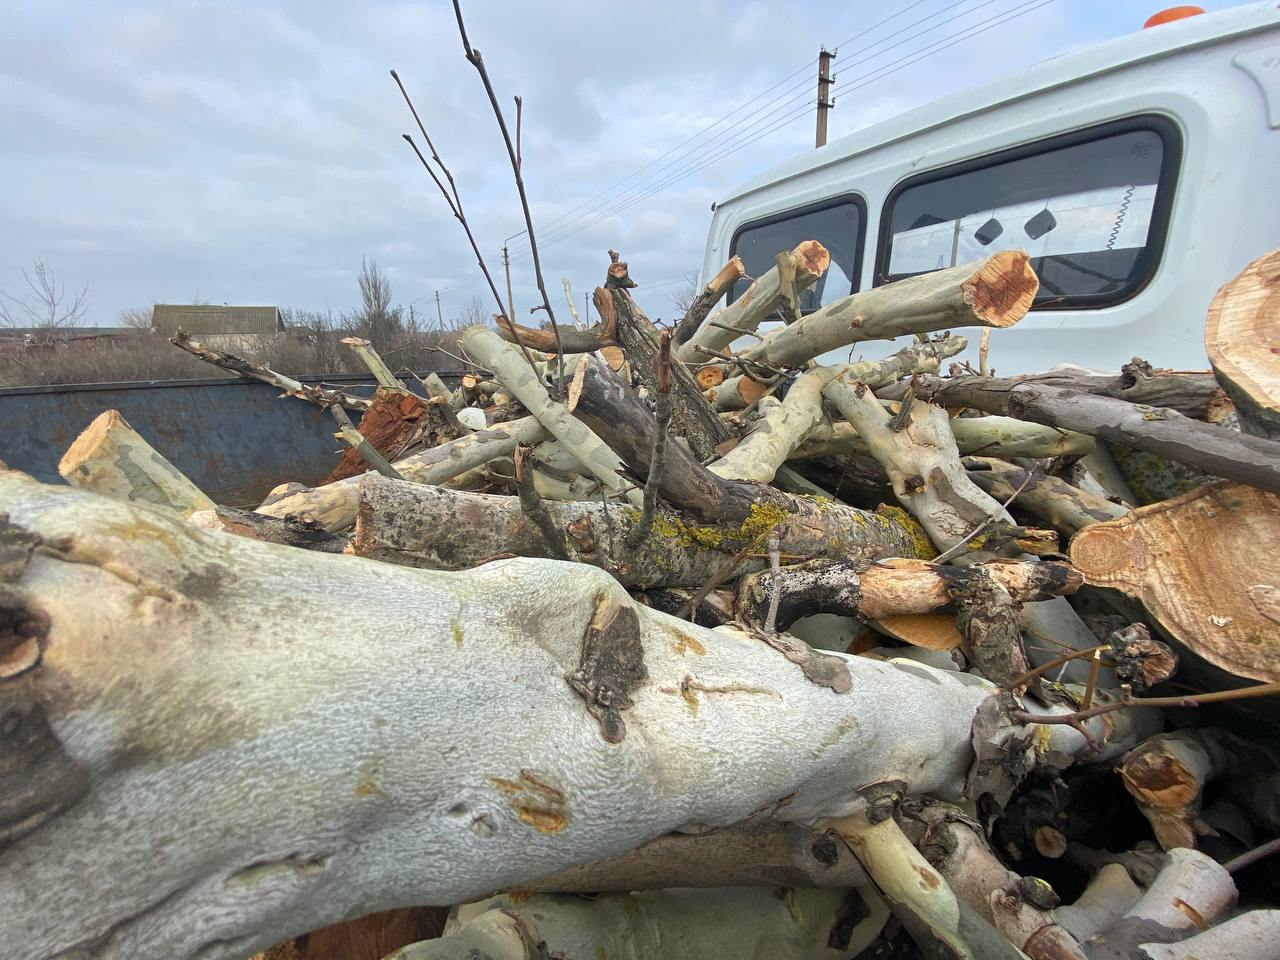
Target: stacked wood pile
{"x": 673, "y": 645}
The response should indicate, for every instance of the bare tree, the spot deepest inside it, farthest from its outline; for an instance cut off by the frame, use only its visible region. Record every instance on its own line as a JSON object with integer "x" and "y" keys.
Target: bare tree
{"x": 683, "y": 297}
{"x": 46, "y": 307}
{"x": 471, "y": 313}
{"x": 139, "y": 318}
{"x": 379, "y": 322}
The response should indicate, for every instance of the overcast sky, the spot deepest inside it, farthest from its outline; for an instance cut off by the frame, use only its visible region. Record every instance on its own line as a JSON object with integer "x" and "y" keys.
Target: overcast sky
{"x": 250, "y": 152}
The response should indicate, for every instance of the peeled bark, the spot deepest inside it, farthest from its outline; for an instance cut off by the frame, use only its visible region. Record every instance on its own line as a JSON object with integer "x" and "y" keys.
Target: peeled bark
{"x": 449, "y": 735}
{"x": 988, "y": 436}
{"x": 1050, "y": 498}
{"x": 111, "y": 458}
{"x": 333, "y": 506}
{"x": 804, "y": 266}
{"x": 996, "y": 292}
{"x": 1242, "y": 338}
{"x": 1214, "y": 449}
{"x": 662, "y": 925}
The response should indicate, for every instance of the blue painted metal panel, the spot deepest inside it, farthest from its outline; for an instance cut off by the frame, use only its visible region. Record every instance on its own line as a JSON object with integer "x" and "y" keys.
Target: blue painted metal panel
{"x": 235, "y": 439}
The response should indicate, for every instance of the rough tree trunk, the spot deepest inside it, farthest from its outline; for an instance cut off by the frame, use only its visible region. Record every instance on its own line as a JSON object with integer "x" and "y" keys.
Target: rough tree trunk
{"x": 248, "y": 753}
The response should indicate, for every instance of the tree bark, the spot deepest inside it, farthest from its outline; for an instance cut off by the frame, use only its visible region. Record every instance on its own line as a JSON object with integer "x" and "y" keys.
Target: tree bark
{"x": 572, "y": 339}
{"x": 1066, "y": 507}
{"x": 256, "y": 526}
{"x": 1250, "y": 936}
{"x": 716, "y": 288}
{"x": 1215, "y": 450}
{"x": 333, "y": 506}
{"x": 425, "y": 526}
{"x": 111, "y": 458}
{"x": 456, "y": 758}
{"x": 695, "y": 420}
{"x": 996, "y": 292}
{"x": 803, "y": 267}
{"x": 1242, "y": 338}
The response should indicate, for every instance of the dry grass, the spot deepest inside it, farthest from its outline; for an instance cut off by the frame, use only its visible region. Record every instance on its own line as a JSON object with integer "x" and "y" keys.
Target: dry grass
{"x": 149, "y": 356}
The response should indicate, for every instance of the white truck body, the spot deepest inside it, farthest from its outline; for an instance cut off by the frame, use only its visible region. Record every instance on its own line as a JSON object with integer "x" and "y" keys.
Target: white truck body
{"x": 1140, "y": 174}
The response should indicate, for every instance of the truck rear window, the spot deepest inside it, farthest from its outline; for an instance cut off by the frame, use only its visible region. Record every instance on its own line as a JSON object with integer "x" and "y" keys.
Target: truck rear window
{"x": 837, "y": 224}
{"x": 1090, "y": 208}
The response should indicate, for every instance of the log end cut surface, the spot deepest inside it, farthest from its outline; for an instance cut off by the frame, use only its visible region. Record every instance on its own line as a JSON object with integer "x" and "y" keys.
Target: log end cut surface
{"x": 1242, "y": 338}
{"x": 813, "y": 257}
{"x": 90, "y": 439}
{"x": 1206, "y": 565}
{"x": 1001, "y": 291}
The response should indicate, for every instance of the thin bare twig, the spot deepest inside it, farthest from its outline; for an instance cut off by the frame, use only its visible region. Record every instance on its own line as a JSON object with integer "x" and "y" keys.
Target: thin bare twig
{"x": 690, "y": 609}
{"x": 741, "y": 362}
{"x": 473, "y": 56}
{"x": 1055, "y": 662}
{"x": 1092, "y": 685}
{"x": 955, "y": 548}
{"x": 532, "y": 506}
{"x": 984, "y": 348}
{"x": 662, "y": 407}
{"x": 775, "y": 595}
{"x": 732, "y": 329}
{"x": 1250, "y": 857}
{"x": 1191, "y": 700}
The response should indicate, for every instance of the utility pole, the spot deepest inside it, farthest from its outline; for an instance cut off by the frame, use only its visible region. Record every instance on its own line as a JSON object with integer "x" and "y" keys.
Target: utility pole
{"x": 506, "y": 268}
{"x": 586, "y": 306}
{"x": 440, "y": 314}
{"x": 824, "y": 88}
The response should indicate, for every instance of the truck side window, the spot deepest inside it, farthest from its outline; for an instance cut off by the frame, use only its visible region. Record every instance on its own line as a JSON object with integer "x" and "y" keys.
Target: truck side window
{"x": 837, "y": 224}
{"x": 1089, "y": 208}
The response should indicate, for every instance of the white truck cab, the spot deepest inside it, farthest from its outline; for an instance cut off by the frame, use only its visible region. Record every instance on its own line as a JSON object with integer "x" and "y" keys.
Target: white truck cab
{"x": 1139, "y": 174}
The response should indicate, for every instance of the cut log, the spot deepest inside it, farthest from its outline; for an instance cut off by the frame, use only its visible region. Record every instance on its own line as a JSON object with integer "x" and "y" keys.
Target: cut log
{"x": 1109, "y": 895}
{"x": 111, "y": 458}
{"x": 572, "y": 339}
{"x": 256, "y": 371}
{"x": 1250, "y": 936}
{"x": 785, "y": 426}
{"x": 1066, "y": 507}
{"x": 996, "y": 292}
{"x": 662, "y": 925}
{"x": 1194, "y": 395}
{"x": 1215, "y": 450}
{"x": 988, "y": 436}
{"x": 891, "y": 588}
{"x": 695, "y": 420}
{"x": 505, "y": 362}
{"x": 1242, "y": 338}
{"x": 425, "y": 526}
{"x": 1206, "y": 566}
{"x": 333, "y": 506}
{"x": 804, "y": 265}
{"x": 370, "y": 358}
{"x": 734, "y": 393}
{"x": 414, "y": 798}
{"x": 709, "y": 377}
{"x": 716, "y": 288}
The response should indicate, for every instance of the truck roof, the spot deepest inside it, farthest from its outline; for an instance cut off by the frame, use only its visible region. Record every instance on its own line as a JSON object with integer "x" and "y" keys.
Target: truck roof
{"x": 1066, "y": 68}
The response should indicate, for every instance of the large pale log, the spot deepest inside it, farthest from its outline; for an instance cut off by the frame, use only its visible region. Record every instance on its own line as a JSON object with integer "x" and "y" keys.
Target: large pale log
{"x": 996, "y": 292}
{"x": 989, "y": 436}
{"x": 1214, "y": 449}
{"x": 256, "y": 371}
{"x": 111, "y": 458}
{"x": 1250, "y": 936}
{"x": 429, "y": 526}
{"x": 507, "y": 365}
{"x": 720, "y": 924}
{"x": 710, "y": 295}
{"x": 333, "y": 506}
{"x": 1109, "y": 895}
{"x": 784, "y": 427}
{"x": 1242, "y": 338}
{"x": 247, "y": 754}
{"x": 796, "y": 270}
{"x": 1206, "y": 565}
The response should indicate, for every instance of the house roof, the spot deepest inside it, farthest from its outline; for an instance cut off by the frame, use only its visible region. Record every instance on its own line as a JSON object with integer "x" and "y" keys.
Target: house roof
{"x": 215, "y": 318}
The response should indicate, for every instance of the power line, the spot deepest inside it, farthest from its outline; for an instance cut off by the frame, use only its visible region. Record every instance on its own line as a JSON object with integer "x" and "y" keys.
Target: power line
{"x": 717, "y": 144}
{"x": 878, "y": 73}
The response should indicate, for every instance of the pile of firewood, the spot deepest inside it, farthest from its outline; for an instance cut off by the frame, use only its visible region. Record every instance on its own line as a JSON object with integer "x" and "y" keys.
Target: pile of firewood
{"x": 677, "y": 643}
